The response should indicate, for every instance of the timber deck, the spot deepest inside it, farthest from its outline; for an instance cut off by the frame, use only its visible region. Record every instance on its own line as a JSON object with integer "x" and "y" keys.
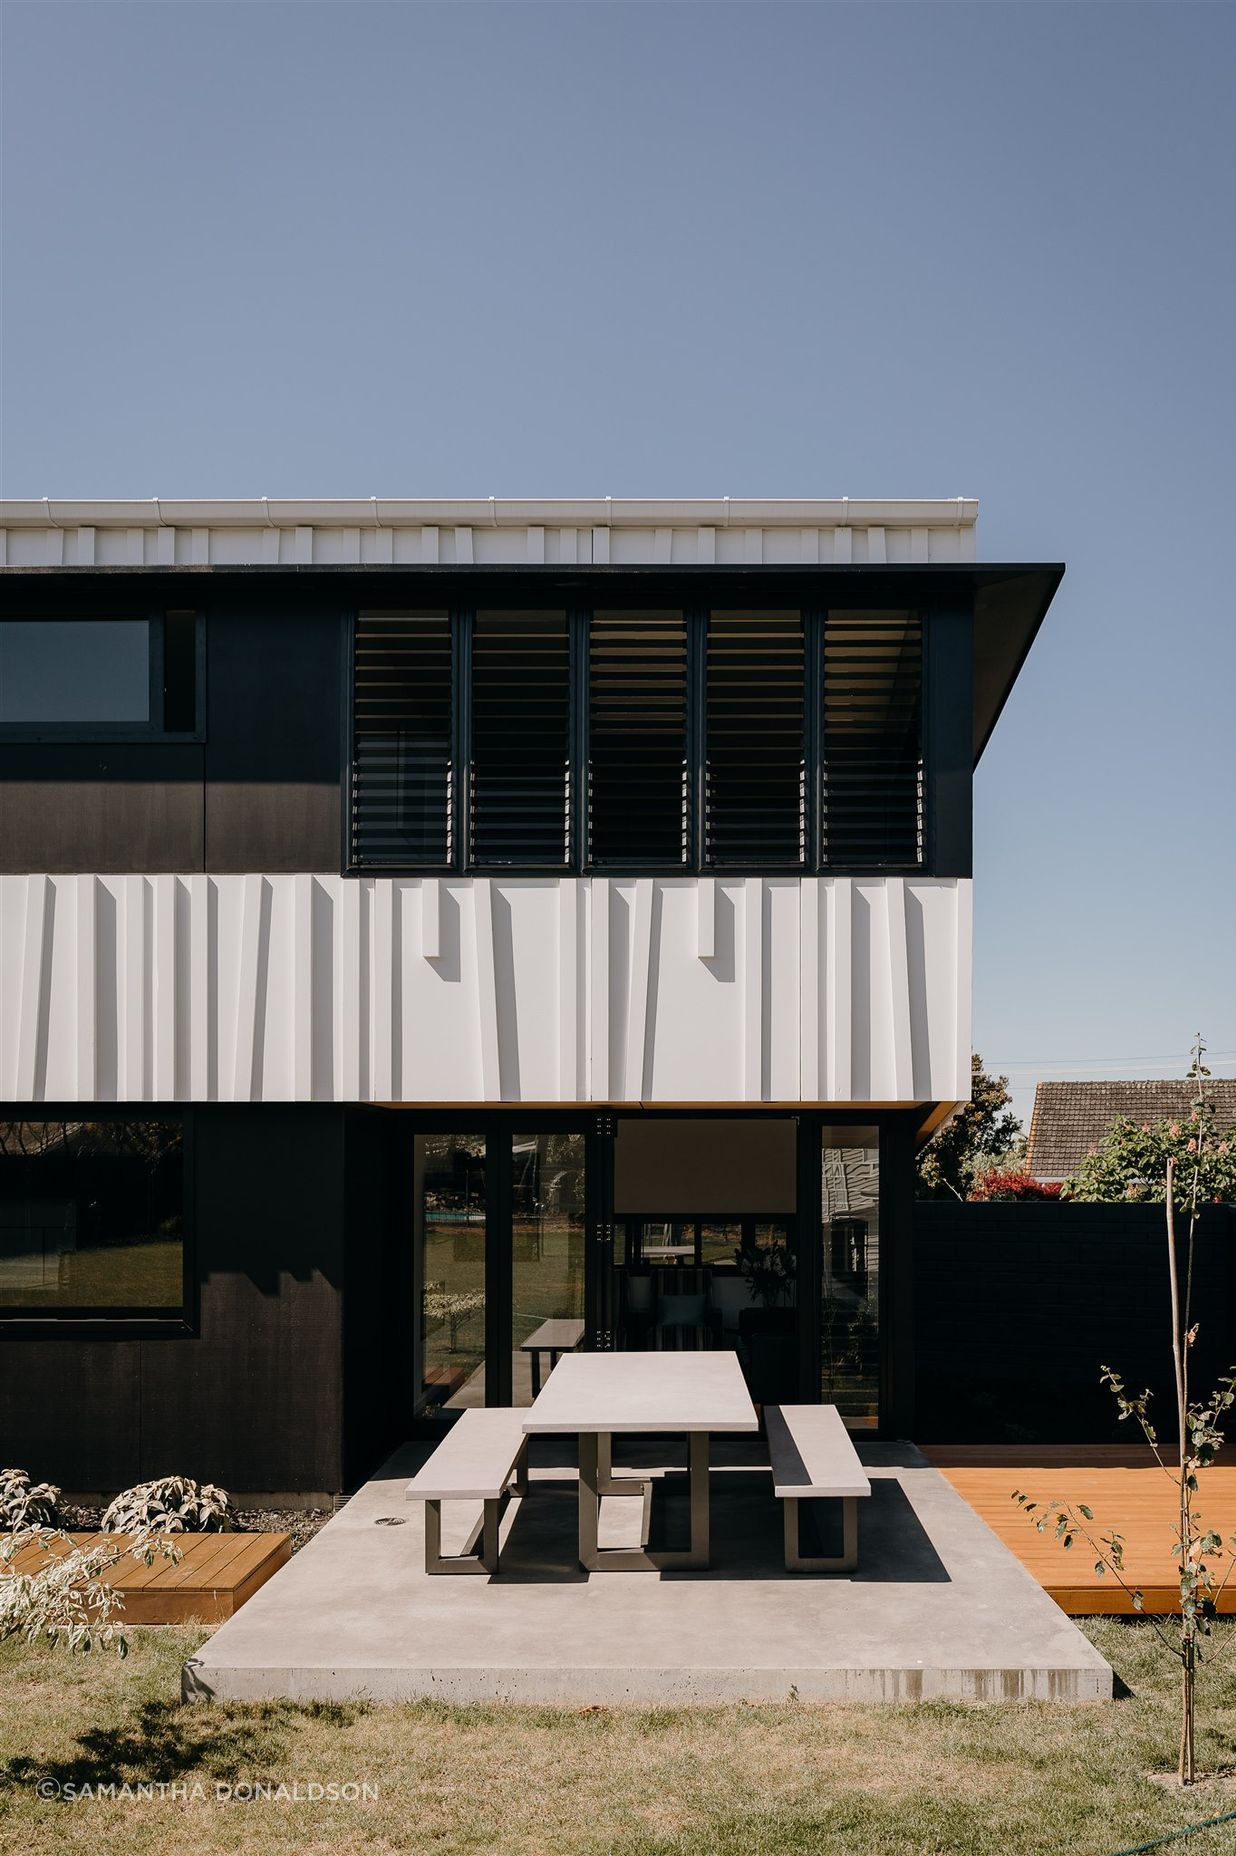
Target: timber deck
{"x": 1127, "y": 1491}
{"x": 214, "y": 1577}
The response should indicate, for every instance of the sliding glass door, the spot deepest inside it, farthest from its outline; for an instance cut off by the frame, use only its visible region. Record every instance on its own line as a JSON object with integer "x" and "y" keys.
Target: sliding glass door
{"x": 547, "y": 1255}
{"x": 756, "y": 1233}
{"x": 451, "y": 1220}
{"x": 498, "y": 1259}
{"x": 849, "y": 1328}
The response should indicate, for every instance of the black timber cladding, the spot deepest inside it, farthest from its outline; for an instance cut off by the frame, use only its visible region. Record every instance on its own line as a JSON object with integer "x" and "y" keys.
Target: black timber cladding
{"x": 1017, "y": 1308}
{"x": 280, "y": 754}
{"x": 251, "y": 1395}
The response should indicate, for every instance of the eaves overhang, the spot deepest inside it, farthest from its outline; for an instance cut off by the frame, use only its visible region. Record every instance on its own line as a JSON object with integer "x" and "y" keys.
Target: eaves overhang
{"x": 1010, "y": 600}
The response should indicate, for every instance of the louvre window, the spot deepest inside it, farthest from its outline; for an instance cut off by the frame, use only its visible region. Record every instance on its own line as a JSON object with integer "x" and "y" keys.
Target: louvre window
{"x": 756, "y": 791}
{"x": 873, "y": 767}
{"x": 637, "y": 741}
{"x": 521, "y": 736}
{"x": 704, "y": 740}
{"x": 402, "y": 775}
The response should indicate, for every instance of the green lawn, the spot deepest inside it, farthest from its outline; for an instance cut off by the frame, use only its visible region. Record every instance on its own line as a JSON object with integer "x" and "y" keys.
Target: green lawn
{"x": 999, "y": 1780}
{"x": 147, "y": 1273}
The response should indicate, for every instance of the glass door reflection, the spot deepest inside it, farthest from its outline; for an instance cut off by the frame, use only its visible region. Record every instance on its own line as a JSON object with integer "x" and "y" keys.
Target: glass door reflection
{"x": 450, "y": 1230}
{"x": 850, "y": 1274}
{"x": 547, "y": 1256}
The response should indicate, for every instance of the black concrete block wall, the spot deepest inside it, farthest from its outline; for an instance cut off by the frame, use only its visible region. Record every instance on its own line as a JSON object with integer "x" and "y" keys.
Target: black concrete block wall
{"x": 1018, "y": 1307}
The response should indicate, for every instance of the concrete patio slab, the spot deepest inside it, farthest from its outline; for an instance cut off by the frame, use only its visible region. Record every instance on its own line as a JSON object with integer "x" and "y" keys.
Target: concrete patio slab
{"x": 938, "y": 1608}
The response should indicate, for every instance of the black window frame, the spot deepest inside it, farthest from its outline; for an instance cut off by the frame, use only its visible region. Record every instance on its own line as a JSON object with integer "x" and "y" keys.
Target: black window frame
{"x": 117, "y": 1322}
{"x": 719, "y": 597}
{"x": 124, "y": 732}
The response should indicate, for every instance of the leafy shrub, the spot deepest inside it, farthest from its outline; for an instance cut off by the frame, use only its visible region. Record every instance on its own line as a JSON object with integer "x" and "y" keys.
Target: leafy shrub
{"x": 1130, "y": 1162}
{"x": 24, "y": 1503}
{"x": 1009, "y": 1186}
{"x": 170, "y": 1505}
{"x": 67, "y": 1600}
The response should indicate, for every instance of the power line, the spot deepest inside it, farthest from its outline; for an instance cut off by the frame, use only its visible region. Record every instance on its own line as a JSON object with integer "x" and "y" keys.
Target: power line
{"x": 1130, "y": 1067}
{"x": 1219, "y": 1056}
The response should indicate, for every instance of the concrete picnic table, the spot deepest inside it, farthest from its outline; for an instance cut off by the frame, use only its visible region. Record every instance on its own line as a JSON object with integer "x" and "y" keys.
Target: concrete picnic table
{"x": 594, "y": 1395}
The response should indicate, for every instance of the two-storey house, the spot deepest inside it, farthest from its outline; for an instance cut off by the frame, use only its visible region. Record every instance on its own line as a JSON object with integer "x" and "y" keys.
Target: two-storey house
{"x": 436, "y": 934}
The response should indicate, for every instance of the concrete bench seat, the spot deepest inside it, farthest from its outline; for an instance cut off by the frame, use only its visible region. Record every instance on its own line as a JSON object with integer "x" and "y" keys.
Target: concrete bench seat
{"x": 483, "y": 1458}
{"x": 554, "y": 1337}
{"x": 813, "y": 1460}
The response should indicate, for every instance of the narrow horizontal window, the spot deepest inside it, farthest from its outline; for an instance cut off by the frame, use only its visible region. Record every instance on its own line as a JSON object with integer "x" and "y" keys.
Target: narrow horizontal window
{"x": 755, "y": 798}
{"x": 92, "y": 1219}
{"x": 63, "y": 671}
{"x": 637, "y": 738}
{"x": 873, "y": 751}
{"x": 402, "y": 771}
{"x": 521, "y": 738}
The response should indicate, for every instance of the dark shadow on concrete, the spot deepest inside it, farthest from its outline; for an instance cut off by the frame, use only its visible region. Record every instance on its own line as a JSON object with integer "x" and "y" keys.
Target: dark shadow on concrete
{"x": 747, "y": 1533}
{"x": 894, "y": 1547}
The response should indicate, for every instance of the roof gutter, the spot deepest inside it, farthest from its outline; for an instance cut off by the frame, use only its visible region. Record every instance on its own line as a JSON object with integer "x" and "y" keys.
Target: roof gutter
{"x": 497, "y": 512}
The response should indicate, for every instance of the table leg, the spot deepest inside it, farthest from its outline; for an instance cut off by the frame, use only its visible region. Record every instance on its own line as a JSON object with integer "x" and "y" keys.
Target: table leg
{"x": 596, "y": 1478}
{"x": 605, "y": 1465}
{"x": 589, "y": 1499}
{"x": 697, "y": 1445}
{"x": 535, "y": 1356}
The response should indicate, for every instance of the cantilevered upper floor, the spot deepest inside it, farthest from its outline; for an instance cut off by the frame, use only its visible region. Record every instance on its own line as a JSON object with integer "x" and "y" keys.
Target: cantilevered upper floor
{"x": 484, "y": 802}
{"x": 555, "y": 687}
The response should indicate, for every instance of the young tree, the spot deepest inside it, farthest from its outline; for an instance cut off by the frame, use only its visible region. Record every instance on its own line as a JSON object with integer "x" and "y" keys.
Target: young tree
{"x": 982, "y": 1132}
{"x": 1186, "y": 1182}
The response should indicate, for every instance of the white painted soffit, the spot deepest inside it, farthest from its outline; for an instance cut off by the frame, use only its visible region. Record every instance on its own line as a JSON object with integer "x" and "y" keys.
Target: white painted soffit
{"x": 490, "y": 512}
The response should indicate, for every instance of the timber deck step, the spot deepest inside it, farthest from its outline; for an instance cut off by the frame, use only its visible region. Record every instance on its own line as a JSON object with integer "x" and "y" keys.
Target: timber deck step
{"x": 1127, "y": 1492}
{"x": 211, "y": 1581}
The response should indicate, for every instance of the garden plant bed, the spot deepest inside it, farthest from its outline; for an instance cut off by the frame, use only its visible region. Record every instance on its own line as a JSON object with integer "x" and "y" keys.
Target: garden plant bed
{"x": 299, "y": 1524}
{"x": 213, "y": 1577}
{"x": 947, "y": 1778}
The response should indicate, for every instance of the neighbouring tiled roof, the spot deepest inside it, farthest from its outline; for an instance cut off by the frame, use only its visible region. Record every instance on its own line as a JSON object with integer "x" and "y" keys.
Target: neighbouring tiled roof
{"x": 1071, "y": 1118}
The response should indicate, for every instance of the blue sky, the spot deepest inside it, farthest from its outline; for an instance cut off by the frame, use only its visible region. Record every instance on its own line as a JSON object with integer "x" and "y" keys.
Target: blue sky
{"x": 818, "y": 250}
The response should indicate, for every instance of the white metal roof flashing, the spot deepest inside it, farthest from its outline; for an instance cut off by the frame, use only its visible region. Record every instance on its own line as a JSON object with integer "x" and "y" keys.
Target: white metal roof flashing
{"x": 482, "y": 531}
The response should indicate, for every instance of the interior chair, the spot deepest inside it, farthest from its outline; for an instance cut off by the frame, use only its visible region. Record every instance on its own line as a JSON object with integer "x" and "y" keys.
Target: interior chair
{"x": 682, "y": 1320}
{"x": 638, "y": 1298}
